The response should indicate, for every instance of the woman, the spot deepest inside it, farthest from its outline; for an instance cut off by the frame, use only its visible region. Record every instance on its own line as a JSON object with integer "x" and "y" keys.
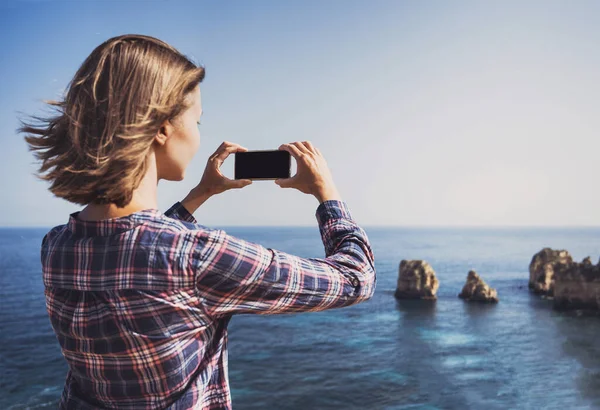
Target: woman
{"x": 139, "y": 299}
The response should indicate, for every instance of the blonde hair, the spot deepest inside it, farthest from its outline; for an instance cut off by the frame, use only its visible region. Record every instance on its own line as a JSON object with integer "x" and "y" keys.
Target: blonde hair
{"x": 94, "y": 150}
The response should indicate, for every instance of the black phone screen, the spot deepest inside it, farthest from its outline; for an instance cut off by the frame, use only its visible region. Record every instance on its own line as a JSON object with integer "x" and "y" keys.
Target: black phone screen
{"x": 262, "y": 165}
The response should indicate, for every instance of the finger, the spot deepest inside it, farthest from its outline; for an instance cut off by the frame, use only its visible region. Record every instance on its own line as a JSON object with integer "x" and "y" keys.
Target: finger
{"x": 237, "y": 183}
{"x": 309, "y": 146}
{"x": 286, "y": 182}
{"x": 226, "y": 145}
{"x": 302, "y": 147}
{"x": 231, "y": 144}
{"x": 293, "y": 150}
{"x": 221, "y": 147}
{"x": 220, "y": 156}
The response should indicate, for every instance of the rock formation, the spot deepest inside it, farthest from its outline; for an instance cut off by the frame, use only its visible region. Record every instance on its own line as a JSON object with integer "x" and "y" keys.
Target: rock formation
{"x": 577, "y": 286}
{"x": 477, "y": 290}
{"x": 416, "y": 280}
{"x": 543, "y": 267}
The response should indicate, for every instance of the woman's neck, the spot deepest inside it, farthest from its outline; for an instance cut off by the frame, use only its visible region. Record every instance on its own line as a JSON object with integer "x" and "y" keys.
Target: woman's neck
{"x": 144, "y": 197}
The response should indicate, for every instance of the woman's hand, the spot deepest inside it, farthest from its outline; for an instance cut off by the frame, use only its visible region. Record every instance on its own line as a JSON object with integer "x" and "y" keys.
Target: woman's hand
{"x": 213, "y": 181}
{"x": 312, "y": 175}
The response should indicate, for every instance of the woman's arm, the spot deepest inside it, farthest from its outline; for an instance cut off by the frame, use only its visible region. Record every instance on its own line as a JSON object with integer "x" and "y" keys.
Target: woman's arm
{"x": 213, "y": 182}
{"x": 235, "y": 276}
{"x": 195, "y": 198}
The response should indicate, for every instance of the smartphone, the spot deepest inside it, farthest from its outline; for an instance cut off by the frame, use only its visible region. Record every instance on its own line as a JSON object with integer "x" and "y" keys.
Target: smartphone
{"x": 272, "y": 164}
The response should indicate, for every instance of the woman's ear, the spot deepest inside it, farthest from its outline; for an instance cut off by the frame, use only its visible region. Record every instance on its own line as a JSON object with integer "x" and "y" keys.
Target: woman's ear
{"x": 164, "y": 133}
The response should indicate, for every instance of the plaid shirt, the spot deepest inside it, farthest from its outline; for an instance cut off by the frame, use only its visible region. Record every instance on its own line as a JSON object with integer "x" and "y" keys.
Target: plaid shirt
{"x": 140, "y": 303}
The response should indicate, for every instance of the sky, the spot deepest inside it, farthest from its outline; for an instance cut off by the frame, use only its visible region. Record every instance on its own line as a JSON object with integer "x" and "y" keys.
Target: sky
{"x": 429, "y": 113}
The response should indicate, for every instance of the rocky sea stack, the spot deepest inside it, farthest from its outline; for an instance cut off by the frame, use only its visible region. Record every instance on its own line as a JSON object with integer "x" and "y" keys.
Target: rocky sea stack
{"x": 544, "y": 266}
{"x": 577, "y": 286}
{"x": 416, "y": 280}
{"x": 476, "y": 290}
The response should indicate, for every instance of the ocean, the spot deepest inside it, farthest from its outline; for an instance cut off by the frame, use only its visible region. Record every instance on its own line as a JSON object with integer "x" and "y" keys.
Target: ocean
{"x": 381, "y": 354}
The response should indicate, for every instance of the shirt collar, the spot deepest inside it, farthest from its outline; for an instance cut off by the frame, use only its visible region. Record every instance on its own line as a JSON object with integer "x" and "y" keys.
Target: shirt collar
{"x": 110, "y": 226}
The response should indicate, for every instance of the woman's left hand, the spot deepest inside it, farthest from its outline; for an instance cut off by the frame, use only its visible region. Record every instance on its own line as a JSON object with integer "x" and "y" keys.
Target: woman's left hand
{"x": 213, "y": 181}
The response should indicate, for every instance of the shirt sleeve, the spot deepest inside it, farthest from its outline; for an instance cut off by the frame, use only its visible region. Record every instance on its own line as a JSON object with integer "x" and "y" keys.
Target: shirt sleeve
{"x": 236, "y": 276}
{"x": 178, "y": 211}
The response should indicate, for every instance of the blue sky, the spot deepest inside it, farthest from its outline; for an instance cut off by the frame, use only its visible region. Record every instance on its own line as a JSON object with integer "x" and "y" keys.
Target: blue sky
{"x": 429, "y": 113}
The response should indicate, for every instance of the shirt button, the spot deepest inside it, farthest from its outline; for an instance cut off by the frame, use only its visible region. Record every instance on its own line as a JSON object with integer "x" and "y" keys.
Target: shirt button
{"x": 354, "y": 282}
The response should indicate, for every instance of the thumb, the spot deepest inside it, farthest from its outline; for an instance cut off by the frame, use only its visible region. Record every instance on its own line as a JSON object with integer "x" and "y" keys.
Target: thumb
{"x": 240, "y": 183}
{"x": 285, "y": 182}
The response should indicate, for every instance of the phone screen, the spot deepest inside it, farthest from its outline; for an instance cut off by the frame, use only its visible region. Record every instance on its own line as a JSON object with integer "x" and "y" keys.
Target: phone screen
{"x": 262, "y": 164}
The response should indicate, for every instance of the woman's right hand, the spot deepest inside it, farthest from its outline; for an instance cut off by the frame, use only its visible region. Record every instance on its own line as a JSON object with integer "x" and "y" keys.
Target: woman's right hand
{"x": 312, "y": 175}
